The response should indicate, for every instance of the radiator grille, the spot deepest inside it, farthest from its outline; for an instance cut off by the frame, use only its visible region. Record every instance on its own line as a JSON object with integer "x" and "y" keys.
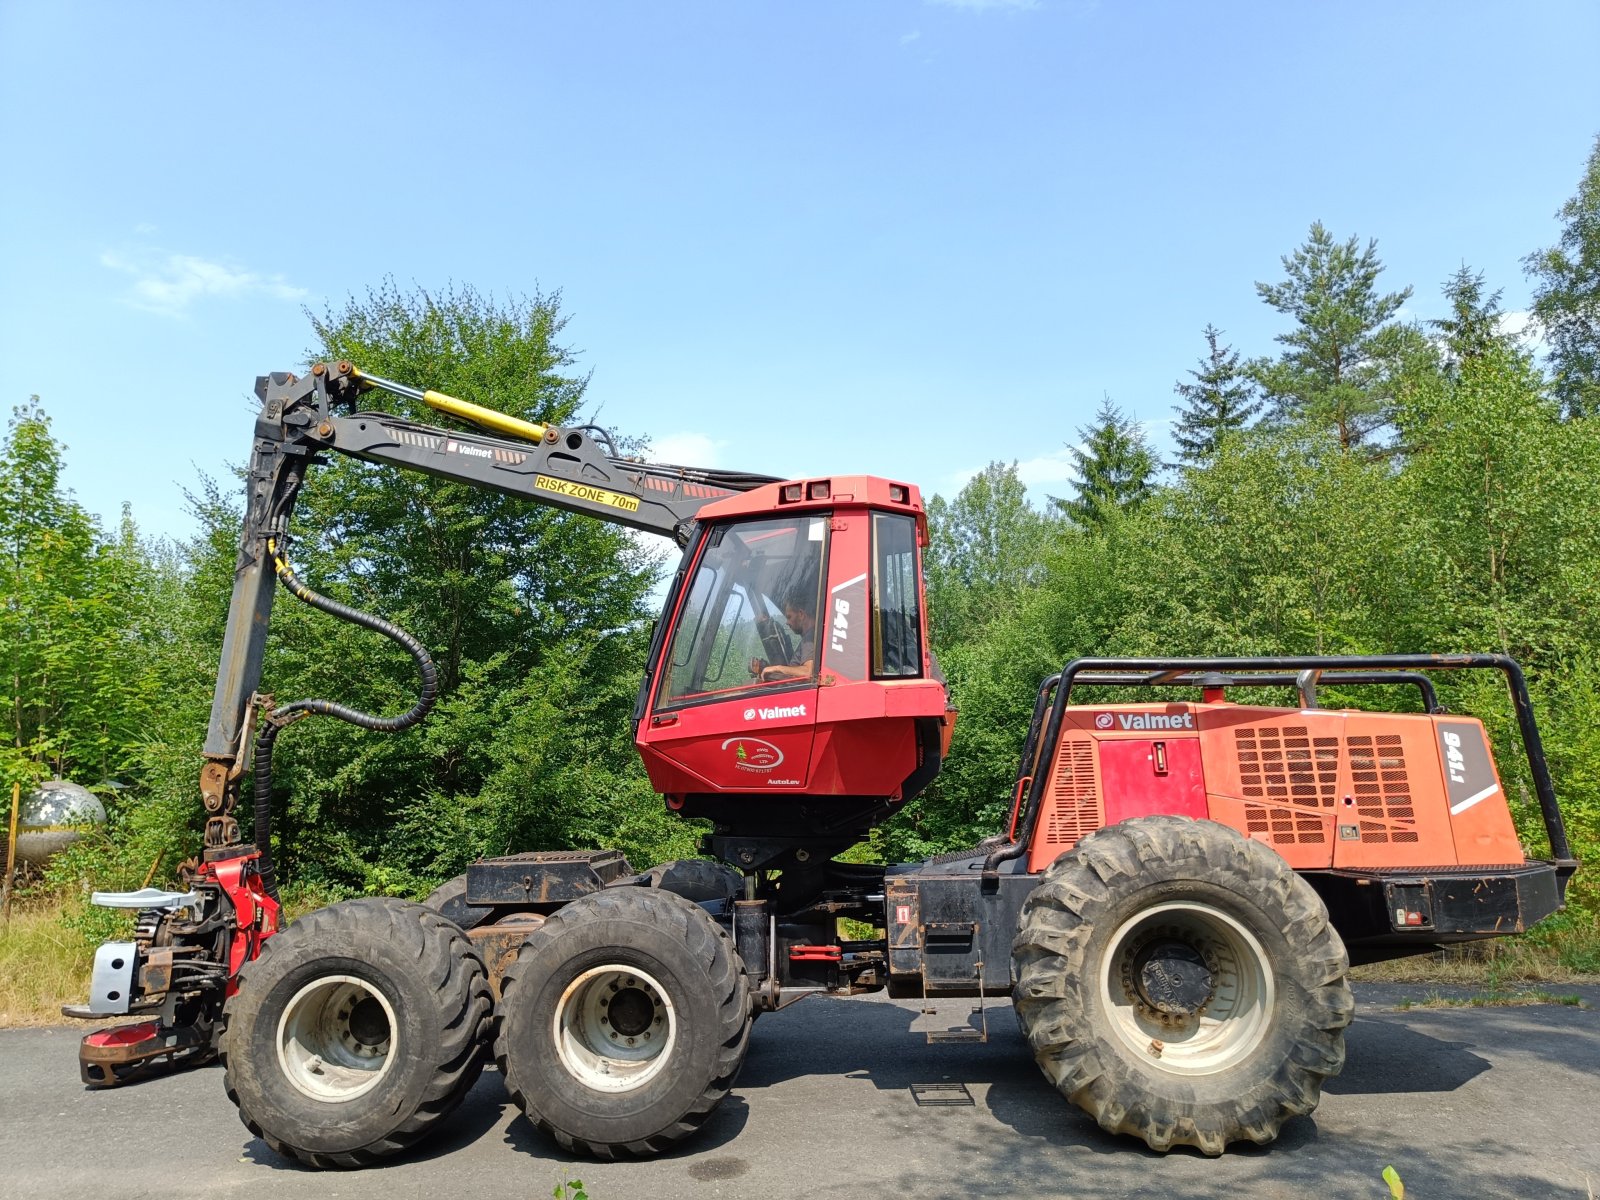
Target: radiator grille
{"x": 1072, "y": 805}
{"x": 1295, "y": 774}
{"x": 1382, "y": 788}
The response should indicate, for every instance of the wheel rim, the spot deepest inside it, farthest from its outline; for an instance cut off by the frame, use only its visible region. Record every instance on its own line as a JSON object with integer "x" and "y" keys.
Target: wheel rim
{"x": 614, "y": 1028}
{"x": 336, "y": 1038}
{"x": 1222, "y": 959}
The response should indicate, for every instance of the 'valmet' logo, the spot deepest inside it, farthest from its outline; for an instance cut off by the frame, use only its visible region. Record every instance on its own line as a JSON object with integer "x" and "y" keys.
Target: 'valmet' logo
{"x": 1146, "y": 720}
{"x": 768, "y": 714}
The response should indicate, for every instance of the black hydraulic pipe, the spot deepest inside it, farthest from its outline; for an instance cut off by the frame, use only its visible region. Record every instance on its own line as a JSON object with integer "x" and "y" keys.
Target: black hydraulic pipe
{"x": 287, "y": 714}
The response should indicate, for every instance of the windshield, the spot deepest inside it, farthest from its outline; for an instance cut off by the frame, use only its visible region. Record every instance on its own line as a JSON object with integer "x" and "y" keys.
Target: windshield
{"x": 749, "y": 618}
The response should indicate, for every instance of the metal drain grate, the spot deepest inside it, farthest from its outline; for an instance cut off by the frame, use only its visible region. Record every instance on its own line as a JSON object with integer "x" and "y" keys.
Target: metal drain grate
{"x": 940, "y": 1095}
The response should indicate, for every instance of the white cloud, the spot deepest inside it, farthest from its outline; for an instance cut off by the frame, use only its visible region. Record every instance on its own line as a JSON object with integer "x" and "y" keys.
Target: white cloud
{"x": 686, "y": 449}
{"x": 907, "y": 38}
{"x": 170, "y": 284}
{"x": 1526, "y": 326}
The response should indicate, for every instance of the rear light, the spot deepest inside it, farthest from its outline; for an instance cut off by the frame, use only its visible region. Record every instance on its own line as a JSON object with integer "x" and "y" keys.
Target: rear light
{"x": 790, "y": 493}
{"x": 818, "y": 490}
{"x": 899, "y": 493}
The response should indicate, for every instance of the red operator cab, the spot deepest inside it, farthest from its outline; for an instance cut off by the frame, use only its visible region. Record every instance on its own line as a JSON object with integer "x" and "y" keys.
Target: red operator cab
{"x": 791, "y": 676}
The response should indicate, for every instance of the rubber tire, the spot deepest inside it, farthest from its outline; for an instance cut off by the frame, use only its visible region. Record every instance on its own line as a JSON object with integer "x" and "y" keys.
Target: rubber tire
{"x": 439, "y": 990}
{"x": 449, "y": 900}
{"x": 1066, "y": 926}
{"x": 691, "y": 956}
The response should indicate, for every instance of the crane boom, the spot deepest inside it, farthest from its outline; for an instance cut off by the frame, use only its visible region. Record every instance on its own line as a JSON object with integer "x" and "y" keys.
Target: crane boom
{"x": 575, "y": 469}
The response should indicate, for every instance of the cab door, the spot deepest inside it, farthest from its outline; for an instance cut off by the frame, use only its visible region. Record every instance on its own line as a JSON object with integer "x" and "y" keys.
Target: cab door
{"x": 735, "y": 701}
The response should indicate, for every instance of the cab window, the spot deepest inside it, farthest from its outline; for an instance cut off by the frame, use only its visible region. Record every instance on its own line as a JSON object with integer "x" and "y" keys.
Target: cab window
{"x": 748, "y": 620}
{"x": 896, "y": 614}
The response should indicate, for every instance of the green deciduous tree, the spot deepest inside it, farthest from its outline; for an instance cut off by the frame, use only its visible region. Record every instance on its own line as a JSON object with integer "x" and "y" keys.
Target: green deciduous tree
{"x": 535, "y": 618}
{"x": 1116, "y": 468}
{"x": 1220, "y": 401}
{"x": 1566, "y": 298}
{"x": 1335, "y": 370}
{"x": 987, "y": 545}
{"x": 76, "y": 621}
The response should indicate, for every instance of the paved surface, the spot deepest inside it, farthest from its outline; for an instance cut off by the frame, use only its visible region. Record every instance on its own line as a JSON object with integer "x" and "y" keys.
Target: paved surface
{"x": 1486, "y": 1102}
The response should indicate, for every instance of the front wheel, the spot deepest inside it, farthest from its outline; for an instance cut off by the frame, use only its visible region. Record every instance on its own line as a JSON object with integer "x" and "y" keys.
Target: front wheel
{"x": 359, "y": 1028}
{"x": 623, "y": 1022}
{"x": 1181, "y": 983}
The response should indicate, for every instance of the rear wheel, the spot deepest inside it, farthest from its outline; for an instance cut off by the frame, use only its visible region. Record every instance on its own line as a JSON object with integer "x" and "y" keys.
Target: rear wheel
{"x": 359, "y": 1028}
{"x": 623, "y": 1022}
{"x": 1182, "y": 984}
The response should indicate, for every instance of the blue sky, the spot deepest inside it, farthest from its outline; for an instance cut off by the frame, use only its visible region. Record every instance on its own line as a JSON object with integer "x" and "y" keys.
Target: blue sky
{"x": 897, "y": 236}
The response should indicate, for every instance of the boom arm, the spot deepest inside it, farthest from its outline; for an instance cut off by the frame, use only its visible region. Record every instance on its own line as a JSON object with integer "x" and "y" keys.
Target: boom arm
{"x": 576, "y": 469}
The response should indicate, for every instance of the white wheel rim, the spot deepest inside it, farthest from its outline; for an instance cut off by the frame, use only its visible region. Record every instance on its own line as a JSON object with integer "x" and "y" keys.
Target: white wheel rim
{"x": 614, "y": 1028}
{"x": 1236, "y": 1015}
{"x": 325, "y": 1053}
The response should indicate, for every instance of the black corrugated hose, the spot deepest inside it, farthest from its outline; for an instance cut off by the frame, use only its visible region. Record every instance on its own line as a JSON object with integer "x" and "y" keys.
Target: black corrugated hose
{"x": 287, "y": 714}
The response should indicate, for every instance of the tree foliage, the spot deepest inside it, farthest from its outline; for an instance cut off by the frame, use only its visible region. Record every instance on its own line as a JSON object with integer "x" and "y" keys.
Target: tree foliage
{"x": 76, "y": 623}
{"x": 1566, "y": 298}
{"x": 1115, "y": 465}
{"x": 1220, "y": 401}
{"x": 1336, "y": 367}
{"x": 985, "y": 551}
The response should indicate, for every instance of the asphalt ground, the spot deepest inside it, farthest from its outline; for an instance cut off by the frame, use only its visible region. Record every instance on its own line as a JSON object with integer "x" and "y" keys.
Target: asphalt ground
{"x": 1464, "y": 1102}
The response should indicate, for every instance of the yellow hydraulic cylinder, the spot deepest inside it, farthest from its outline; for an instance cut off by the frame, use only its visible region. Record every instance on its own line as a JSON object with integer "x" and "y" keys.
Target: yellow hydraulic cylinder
{"x": 488, "y": 418}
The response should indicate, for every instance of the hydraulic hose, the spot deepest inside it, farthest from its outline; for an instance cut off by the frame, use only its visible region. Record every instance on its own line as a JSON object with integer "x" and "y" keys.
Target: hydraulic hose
{"x": 286, "y": 714}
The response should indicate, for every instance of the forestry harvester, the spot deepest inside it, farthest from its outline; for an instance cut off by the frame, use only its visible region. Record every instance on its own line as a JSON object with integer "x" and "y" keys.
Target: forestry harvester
{"x": 1172, "y": 907}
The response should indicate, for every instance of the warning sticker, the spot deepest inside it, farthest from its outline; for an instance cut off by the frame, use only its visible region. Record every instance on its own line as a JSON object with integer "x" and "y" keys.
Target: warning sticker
{"x": 584, "y": 491}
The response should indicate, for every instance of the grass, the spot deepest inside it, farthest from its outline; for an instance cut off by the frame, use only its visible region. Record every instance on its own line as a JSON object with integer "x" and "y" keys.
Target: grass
{"x": 1518, "y": 999}
{"x": 1567, "y": 952}
{"x": 44, "y": 963}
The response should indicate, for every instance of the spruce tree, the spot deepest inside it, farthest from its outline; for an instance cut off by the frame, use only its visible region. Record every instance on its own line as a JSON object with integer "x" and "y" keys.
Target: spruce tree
{"x": 1473, "y": 326}
{"x": 1116, "y": 469}
{"x": 1220, "y": 401}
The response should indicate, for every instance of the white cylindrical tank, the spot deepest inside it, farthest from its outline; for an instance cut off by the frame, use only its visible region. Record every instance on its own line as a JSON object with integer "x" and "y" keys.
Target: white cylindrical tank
{"x": 53, "y": 817}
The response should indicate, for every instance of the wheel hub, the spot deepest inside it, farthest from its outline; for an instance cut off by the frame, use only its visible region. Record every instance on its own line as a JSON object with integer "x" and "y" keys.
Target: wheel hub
{"x": 614, "y": 1028}
{"x": 369, "y": 1025}
{"x": 1172, "y": 977}
{"x": 1187, "y": 986}
{"x": 631, "y": 1012}
{"x": 336, "y": 1038}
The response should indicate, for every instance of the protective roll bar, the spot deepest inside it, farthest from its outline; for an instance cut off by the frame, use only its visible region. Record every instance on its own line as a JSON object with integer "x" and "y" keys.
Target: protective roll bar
{"x": 1301, "y": 671}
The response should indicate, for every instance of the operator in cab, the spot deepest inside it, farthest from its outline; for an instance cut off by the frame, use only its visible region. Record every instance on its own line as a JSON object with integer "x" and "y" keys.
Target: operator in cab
{"x": 799, "y": 613}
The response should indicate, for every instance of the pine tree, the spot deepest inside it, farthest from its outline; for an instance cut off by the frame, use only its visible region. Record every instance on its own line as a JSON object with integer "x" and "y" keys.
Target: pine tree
{"x": 1116, "y": 469}
{"x": 1334, "y": 372}
{"x": 1567, "y": 298}
{"x": 1220, "y": 401}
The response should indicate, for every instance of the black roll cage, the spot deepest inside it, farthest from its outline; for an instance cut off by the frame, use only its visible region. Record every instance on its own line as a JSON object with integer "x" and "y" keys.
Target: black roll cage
{"x": 1303, "y": 672}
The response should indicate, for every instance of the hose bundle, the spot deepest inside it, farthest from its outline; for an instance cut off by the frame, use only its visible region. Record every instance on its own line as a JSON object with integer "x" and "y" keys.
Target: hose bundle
{"x": 287, "y": 714}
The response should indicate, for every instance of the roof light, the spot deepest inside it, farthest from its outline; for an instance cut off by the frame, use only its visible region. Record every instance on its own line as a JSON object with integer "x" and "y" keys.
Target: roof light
{"x": 818, "y": 490}
{"x": 789, "y": 494}
{"x": 899, "y": 493}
